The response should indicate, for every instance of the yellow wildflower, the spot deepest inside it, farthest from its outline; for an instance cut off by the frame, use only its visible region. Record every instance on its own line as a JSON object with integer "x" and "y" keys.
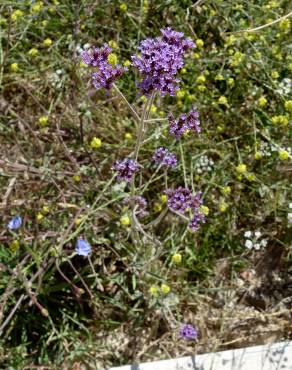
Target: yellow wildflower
{"x": 284, "y": 25}
{"x": 230, "y": 81}
{"x": 153, "y": 109}
{"x": 201, "y": 79}
{"x": 33, "y": 52}
{"x": 95, "y": 143}
{"x": 153, "y": 290}
{"x": 283, "y": 155}
{"x": 222, "y": 206}
{"x": 47, "y": 42}
{"x": 226, "y": 190}
{"x": 280, "y": 120}
{"x": 165, "y": 289}
{"x": 202, "y": 88}
{"x": 14, "y": 245}
{"x": 76, "y": 178}
{"x": 39, "y": 216}
{"x": 45, "y": 209}
{"x": 78, "y": 221}
{"x": 200, "y": 43}
{"x": 241, "y": 168}
{"x": 258, "y": 155}
{"x": 125, "y": 220}
{"x": 176, "y": 258}
{"x": 113, "y": 44}
{"x": 183, "y": 71}
{"x": 157, "y": 207}
{"x": 222, "y": 100}
{"x": 123, "y": 7}
{"x": 196, "y": 56}
{"x": 219, "y": 77}
{"x": 275, "y": 74}
{"x": 262, "y": 101}
{"x": 16, "y": 14}
{"x": 37, "y": 7}
{"x": 250, "y": 177}
{"x": 163, "y": 198}
{"x": 43, "y": 120}
{"x": 288, "y": 105}
{"x": 180, "y": 94}
{"x": 205, "y": 210}
{"x": 127, "y": 63}
{"x": 112, "y": 59}
{"x": 128, "y": 136}
{"x": 14, "y": 67}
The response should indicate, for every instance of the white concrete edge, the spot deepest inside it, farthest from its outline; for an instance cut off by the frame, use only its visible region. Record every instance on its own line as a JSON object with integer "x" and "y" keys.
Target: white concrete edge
{"x": 277, "y": 356}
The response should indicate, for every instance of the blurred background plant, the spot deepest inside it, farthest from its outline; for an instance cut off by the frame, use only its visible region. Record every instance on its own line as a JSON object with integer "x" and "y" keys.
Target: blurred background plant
{"x": 59, "y": 138}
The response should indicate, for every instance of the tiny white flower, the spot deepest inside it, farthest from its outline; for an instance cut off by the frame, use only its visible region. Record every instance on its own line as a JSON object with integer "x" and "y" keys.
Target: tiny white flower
{"x": 248, "y": 244}
{"x": 257, "y": 234}
{"x": 264, "y": 243}
{"x": 257, "y": 246}
{"x": 289, "y": 216}
{"x": 290, "y": 205}
{"x": 247, "y": 234}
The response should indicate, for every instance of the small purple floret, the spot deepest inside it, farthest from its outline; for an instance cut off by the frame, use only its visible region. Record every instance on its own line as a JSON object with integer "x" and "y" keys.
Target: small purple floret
{"x": 83, "y": 248}
{"x": 197, "y": 218}
{"x": 188, "y": 332}
{"x": 164, "y": 157}
{"x": 139, "y": 203}
{"x": 160, "y": 60}
{"x": 106, "y": 73}
{"x": 189, "y": 121}
{"x": 125, "y": 169}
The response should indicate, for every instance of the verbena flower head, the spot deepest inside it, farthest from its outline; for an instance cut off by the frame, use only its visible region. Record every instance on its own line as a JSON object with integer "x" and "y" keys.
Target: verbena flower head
{"x": 185, "y": 122}
{"x": 140, "y": 203}
{"x": 83, "y": 248}
{"x": 164, "y": 157}
{"x": 181, "y": 199}
{"x": 14, "y": 223}
{"x": 125, "y": 169}
{"x": 160, "y": 60}
{"x": 106, "y": 73}
{"x": 188, "y": 332}
{"x": 196, "y": 219}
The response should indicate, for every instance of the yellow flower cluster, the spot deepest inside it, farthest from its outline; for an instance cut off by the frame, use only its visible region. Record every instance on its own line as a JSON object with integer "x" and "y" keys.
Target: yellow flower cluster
{"x": 112, "y": 59}
{"x": 17, "y": 14}
{"x": 95, "y": 143}
{"x": 280, "y": 120}
{"x": 237, "y": 59}
{"x": 155, "y": 290}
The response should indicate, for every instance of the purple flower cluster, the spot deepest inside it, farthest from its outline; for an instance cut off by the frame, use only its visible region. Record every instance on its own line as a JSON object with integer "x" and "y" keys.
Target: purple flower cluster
{"x": 106, "y": 73}
{"x": 181, "y": 200}
{"x": 160, "y": 60}
{"x": 196, "y": 219}
{"x": 188, "y": 332}
{"x": 164, "y": 157}
{"x": 125, "y": 169}
{"x": 139, "y": 203}
{"x": 189, "y": 121}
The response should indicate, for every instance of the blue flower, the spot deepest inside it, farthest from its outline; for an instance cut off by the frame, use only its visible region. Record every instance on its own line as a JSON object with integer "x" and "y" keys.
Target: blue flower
{"x": 83, "y": 248}
{"x": 15, "y": 223}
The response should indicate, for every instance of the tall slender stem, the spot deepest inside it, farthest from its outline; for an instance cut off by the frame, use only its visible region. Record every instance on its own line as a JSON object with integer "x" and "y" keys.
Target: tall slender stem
{"x": 134, "y": 113}
{"x": 140, "y": 134}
